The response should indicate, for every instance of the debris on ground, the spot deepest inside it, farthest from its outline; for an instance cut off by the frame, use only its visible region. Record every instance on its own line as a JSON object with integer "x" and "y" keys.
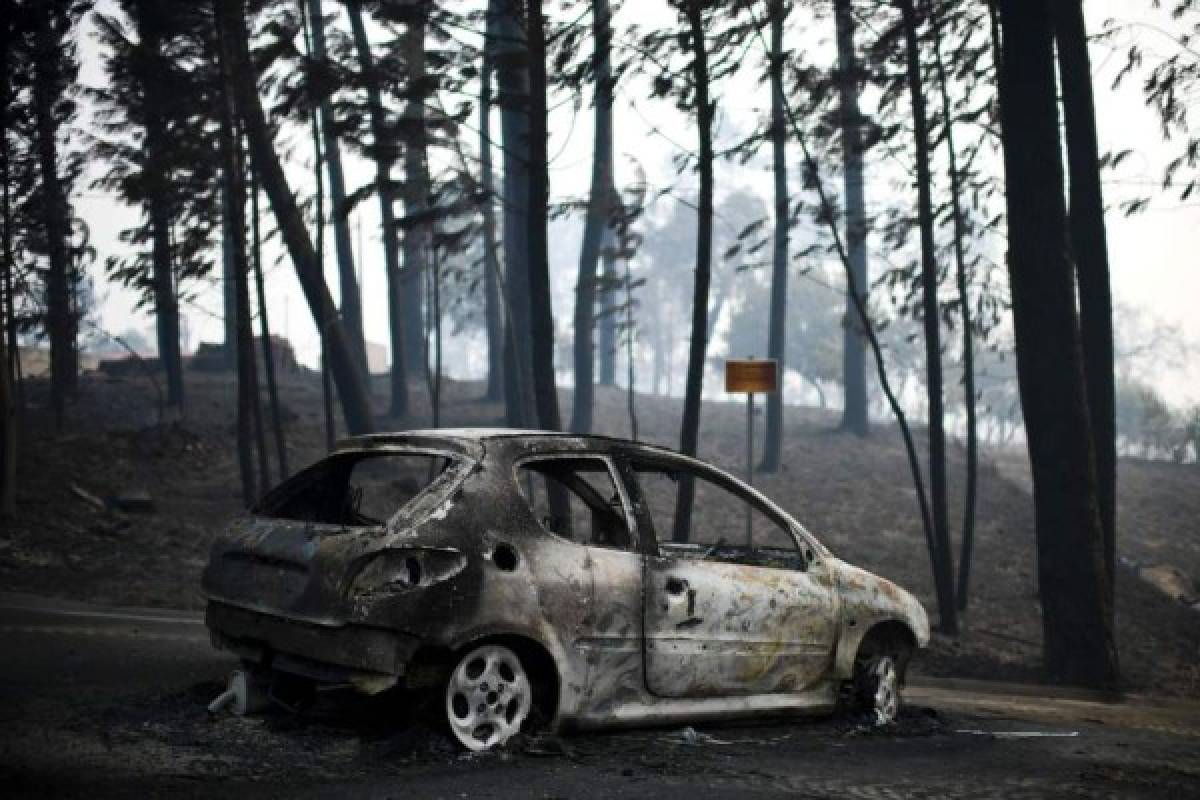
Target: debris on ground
{"x": 1019, "y": 734}
{"x": 690, "y": 737}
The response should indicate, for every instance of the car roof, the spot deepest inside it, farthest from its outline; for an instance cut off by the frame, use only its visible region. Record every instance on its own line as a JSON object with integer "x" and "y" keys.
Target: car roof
{"x": 466, "y": 437}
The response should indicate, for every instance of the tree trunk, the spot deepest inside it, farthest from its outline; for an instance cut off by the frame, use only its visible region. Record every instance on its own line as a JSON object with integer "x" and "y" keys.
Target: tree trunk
{"x": 541, "y": 312}
{"x": 854, "y": 357}
{"x": 943, "y": 565}
{"x": 493, "y": 314}
{"x": 54, "y": 203}
{"x": 231, "y": 169}
{"x": 166, "y": 305}
{"x": 351, "y": 310}
{"x": 776, "y": 329}
{"x": 964, "y": 303}
{"x": 1089, "y": 247}
{"x": 690, "y": 429}
{"x": 319, "y": 188}
{"x": 265, "y": 333}
{"x": 1078, "y": 642}
{"x": 239, "y": 73}
{"x": 416, "y": 186}
{"x": 607, "y": 323}
{"x": 8, "y": 342}
{"x": 507, "y": 36}
{"x": 228, "y": 284}
{"x": 598, "y": 218}
{"x": 384, "y": 154}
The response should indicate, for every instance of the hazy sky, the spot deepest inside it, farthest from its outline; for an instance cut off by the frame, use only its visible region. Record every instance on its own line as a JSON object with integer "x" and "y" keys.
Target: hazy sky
{"x": 1153, "y": 255}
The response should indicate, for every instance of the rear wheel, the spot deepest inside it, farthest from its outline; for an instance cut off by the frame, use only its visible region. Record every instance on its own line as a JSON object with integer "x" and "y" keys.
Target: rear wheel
{"x": 489, "y": 696}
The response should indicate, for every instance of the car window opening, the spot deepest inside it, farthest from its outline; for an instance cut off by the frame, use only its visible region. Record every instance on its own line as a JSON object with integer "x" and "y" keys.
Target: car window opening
{"x": 355, "y": 489}
{"x": 577, "y": 499}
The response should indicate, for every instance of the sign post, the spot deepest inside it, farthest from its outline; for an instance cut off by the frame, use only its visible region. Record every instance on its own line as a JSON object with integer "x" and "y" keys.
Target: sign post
{"x": 751, "y": 376}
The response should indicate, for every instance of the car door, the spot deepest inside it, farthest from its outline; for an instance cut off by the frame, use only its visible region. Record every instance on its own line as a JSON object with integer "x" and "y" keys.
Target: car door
{"x": 731, "y": 603}
{"x": 580, "y": 500}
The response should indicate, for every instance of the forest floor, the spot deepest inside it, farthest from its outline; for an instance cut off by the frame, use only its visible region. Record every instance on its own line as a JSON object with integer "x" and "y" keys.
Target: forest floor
{"x": 853, "y": 493}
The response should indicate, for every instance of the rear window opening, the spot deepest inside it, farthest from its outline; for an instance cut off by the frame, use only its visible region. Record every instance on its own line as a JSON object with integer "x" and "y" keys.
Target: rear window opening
{"x": 355, "y": 489}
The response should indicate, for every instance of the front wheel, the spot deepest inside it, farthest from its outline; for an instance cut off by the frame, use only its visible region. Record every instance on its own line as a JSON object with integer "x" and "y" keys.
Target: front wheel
{"x": 488, "y": 697}
{"x": 877, "y": 687}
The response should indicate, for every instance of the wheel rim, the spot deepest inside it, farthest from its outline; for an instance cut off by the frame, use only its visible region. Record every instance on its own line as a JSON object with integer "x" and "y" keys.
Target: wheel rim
{"x": 488, "y": 697}
{"x": 887, "y": 690}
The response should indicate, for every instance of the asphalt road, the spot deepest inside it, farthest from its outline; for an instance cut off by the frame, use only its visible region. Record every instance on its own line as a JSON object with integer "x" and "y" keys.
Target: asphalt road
{"x": 98, "y": 702}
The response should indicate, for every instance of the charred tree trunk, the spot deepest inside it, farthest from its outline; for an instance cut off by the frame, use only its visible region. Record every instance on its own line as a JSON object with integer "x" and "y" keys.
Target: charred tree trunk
{"x": 541, "y": 313}
{"x": 777, "y": 329}
{"x": 943, "y": 564}
{"x": 265, "y": 334}
{"x": 1089, "y": 247}
{"x": 8, "y": 341}
{"x": 1078, "y": 641}
{"x": 318, "y": 148}
{"x": 239, "y": 73}
{"x": 384, "y": 154}
{"x": 598, "y": 219}
{"x": 231, "y": 175}
{"x": 54, "y": 208}
{"x": 166, "y": 305}
{"x": 493, "y": 316}
{"x": 416, "y": 185}
{"x": 606, "y": 325}
{"x": 690, "y": 431}
{"x": 351, "y": 297}
{"x": 507, "y": 37}
{"x": 968, "y": 344}
{"x": 855, "y": 417}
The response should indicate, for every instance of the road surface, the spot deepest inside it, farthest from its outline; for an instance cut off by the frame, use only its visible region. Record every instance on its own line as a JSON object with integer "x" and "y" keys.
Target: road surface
{"x": 100, "y": 702}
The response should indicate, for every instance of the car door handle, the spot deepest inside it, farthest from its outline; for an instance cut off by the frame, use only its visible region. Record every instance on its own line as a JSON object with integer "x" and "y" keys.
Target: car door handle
{"x": 676, "y": 586}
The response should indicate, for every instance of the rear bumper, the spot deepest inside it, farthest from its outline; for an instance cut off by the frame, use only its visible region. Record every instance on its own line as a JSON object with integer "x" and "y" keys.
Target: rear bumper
{"x": 371, "y": 659}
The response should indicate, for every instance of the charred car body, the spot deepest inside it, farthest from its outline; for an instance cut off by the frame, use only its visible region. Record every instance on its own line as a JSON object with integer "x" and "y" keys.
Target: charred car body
{"x": 596, "y": 580}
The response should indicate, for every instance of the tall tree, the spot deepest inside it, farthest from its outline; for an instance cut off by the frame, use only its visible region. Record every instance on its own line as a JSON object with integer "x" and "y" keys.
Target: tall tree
{"x": 1078, "y": 641}
{"x": 541, "y": 313}
{"x": 943, "y": 565}
{"x": 776, "y": 328}
{"x": 49, "y": 85}
{"x": 268, "y": 347}
{"x": 153, "y": 121}
{"x": 493, "y": 316}
{"x": 689, "y": 434}
{"x": 8, "y": 343}
{"x": 239, "y": 74}
{"x": 383, "y": 152}
{"x": 417, "y": 189}
{"x": 854, "y": 356}
{"x": 166, "y": 305}
{"x": 506, "y": 35}
{"x": 1089, "y": 249}
{"x": 232, "y": 174}
{"x": 351, "y": 297}
{"x": 964, "y": 304}
{"x": 596, "y": 221}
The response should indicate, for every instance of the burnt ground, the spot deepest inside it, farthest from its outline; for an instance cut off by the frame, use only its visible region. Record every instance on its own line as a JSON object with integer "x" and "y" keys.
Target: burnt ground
{"x": 133, "y": 724}
{"x": 854, "y": 494}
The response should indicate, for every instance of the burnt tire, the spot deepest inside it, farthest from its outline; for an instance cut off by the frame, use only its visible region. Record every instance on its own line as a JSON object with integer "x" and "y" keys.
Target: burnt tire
{"x": 488, "y": 696}
{"x": 876, "y": 685}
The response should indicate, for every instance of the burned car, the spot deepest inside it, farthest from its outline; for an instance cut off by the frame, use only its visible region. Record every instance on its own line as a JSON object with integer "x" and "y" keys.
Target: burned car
{"x": 572, "y": 581}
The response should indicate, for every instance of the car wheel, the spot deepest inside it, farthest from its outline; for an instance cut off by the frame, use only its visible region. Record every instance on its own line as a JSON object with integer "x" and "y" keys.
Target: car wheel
{"x": 489, "y": 696}
{"x": 877, "y": 687}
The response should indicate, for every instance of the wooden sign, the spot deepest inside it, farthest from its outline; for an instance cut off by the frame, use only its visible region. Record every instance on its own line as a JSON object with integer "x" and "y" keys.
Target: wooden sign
{"x": 752, "y": 375}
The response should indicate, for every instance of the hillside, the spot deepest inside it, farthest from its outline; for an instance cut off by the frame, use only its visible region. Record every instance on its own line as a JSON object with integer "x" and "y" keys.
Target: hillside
{"x": 854, "y": 494}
